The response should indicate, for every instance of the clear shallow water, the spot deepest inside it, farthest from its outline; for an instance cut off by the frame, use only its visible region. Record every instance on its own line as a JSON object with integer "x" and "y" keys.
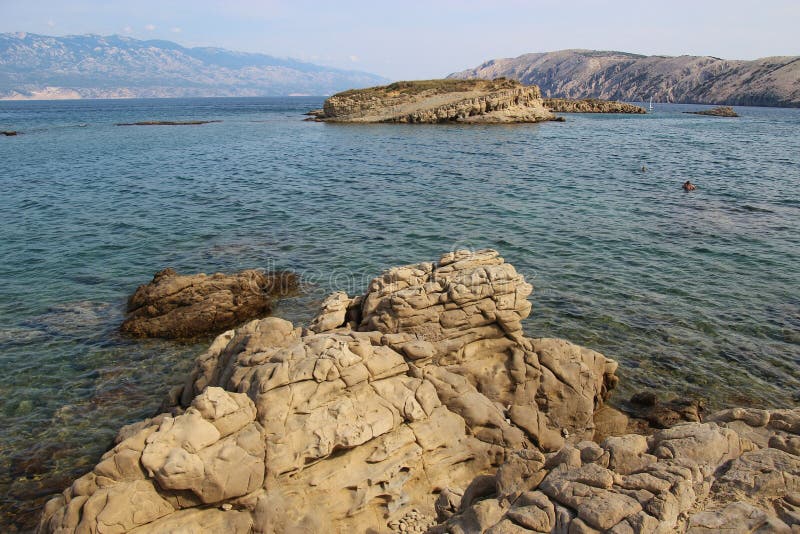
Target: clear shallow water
{"x": 694, "y": 294}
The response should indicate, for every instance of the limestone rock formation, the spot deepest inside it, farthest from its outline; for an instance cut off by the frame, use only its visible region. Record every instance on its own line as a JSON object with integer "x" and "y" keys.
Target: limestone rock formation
{"x": 436, "y": 101}
{"x": 694, "y": 478}
{"x": 360, "y": 421}
{"x": 183, "y": 306}
{"x": 422, "y": 405}
{"x": 719, "y": 111}
{"x": 590, "y": 105}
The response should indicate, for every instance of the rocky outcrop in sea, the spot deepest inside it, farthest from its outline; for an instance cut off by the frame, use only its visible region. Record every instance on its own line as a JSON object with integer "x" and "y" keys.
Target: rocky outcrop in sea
{"x": 183, "y": 306}
{"x": 589, "y": 105}
{"x": 719, "y": 111}
{"x": 421, "y": 405}
{"x": 437, "y": 101}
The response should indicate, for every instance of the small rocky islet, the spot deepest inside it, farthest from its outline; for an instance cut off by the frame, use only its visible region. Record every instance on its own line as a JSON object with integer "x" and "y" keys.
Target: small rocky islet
{"x": 438, "y": 101}
{"x": 422, "y": 406}
{"x": 719, "y": 111}
{"x": 468, "y": 101}
{"x": 590, "y": 105}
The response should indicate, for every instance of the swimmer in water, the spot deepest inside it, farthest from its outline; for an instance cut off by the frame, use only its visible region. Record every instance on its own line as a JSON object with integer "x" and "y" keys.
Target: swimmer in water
{"x": 689, "y": 186}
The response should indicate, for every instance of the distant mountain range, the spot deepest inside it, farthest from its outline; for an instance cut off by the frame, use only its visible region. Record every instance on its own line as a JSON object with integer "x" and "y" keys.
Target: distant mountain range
{"x": 93, "y": 66}
{"x": 771, "y": 81}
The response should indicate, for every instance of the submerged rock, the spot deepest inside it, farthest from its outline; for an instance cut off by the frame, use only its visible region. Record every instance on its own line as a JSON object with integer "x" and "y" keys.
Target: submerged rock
{"x": 647, "y": 412}
{"x": 719, "y": 111}
{"x": 437, "y": 101}
{"x": 422, "y": 404}
{"x": 165, "y": 123}
{"x": 9, "y": 133}
{"x": 590, "y": 105}
{"x": 183, "y": 306}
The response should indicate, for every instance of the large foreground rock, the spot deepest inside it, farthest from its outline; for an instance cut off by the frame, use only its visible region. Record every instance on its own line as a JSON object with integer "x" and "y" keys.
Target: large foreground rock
{"x": 436, "y": 101}
{"x": 417, "y": 403}
{"x": 183, "y": 306}
{"x": 359, "y": 422}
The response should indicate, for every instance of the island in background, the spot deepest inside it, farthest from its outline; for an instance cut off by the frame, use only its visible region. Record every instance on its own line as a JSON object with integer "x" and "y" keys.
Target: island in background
{"x": 769, "y": 81}
{"x": 436, "y": 101}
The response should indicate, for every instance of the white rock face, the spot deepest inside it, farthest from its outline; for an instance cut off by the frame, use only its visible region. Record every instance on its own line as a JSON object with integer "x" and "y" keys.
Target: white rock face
{"x": 420, "y": 401}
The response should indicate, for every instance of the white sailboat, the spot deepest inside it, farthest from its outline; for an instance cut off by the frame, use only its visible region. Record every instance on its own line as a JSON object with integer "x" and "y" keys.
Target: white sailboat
{"x": 651, "y": 103}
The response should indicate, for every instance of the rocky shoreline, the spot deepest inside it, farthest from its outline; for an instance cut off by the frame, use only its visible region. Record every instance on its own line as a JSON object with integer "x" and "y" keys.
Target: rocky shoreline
{"x": 418, "y": 406}
{"x": 438, "y": 101}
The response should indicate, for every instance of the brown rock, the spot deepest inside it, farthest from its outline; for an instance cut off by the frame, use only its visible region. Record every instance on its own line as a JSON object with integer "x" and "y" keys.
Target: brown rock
{"x": 609, "y": 422}
{"x": 646, "y": 406}
{"x": 183, "y": 306}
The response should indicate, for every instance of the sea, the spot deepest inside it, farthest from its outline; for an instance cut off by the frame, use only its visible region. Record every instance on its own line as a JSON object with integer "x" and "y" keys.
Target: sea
{"x": 697, "y": 295}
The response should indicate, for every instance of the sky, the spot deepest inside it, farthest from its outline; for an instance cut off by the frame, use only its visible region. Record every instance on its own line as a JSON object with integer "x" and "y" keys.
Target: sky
{"x": 414, "y": 39}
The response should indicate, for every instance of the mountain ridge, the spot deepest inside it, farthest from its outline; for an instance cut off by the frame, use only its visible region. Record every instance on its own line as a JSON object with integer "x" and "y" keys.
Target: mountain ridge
{"x": 94, "y": 66}
{"x": 616, "y": 75}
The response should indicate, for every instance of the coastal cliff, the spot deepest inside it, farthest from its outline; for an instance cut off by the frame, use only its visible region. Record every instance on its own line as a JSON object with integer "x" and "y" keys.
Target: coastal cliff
{"x": 421, "y": 405}
{"x": 770, "y": 81}
{"x": 436, "y": 101}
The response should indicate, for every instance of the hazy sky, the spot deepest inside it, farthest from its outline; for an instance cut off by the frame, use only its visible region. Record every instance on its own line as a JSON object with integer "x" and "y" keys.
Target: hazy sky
{"x": 405, "y": 39}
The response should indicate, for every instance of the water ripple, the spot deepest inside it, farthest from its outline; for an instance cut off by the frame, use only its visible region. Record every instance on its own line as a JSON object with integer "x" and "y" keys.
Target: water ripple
{"x": 694, "y": 294}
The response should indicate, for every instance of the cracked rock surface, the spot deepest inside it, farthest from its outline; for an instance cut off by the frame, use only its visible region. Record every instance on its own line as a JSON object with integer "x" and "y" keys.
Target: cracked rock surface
{"x": 693, "y": 477}
{"x": 422, "y": 406}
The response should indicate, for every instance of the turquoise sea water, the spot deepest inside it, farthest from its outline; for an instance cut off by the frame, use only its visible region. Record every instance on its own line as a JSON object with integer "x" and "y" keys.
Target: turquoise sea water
{"x": 695, "y": 294}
